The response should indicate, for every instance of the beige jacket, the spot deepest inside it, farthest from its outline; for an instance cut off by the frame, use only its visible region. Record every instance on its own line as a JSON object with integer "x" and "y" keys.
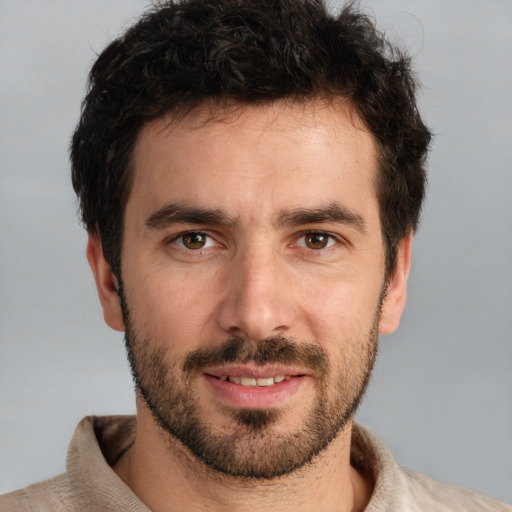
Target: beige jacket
{"x": 90, "y": 484}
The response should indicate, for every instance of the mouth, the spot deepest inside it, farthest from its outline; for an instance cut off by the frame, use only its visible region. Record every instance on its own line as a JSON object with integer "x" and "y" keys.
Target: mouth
{"x": 255, "y": 387}
{"x": 260, "y": 382}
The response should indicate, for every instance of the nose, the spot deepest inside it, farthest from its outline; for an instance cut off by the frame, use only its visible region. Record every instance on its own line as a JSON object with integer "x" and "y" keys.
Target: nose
{"x": 258, "y": 297}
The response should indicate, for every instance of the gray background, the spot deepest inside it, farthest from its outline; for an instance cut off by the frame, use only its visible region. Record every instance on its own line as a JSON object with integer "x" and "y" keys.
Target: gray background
{"x": 441, "y": 393}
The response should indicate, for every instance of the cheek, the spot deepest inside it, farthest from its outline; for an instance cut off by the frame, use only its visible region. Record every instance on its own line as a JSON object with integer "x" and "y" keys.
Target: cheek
{"x": 342, "y": 312}
{"x": 168, "y": 310}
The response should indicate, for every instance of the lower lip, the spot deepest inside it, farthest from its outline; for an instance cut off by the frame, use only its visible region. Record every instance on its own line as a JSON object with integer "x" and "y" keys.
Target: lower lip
{"x": 254, "y": 397}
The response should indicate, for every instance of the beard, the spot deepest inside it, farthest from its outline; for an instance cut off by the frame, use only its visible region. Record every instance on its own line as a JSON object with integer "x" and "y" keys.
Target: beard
{"x": 252, "y": 446}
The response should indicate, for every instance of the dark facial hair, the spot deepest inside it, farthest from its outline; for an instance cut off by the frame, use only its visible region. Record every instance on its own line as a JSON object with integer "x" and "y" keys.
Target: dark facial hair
{"x": 252, "y": 448}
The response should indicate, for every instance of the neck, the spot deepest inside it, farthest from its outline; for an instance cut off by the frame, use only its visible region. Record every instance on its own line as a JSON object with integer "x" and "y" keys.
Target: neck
{"x": 166, "y": 478}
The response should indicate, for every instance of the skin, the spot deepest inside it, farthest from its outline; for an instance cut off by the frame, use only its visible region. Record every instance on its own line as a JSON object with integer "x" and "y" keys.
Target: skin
{"x": 255, "y": 278}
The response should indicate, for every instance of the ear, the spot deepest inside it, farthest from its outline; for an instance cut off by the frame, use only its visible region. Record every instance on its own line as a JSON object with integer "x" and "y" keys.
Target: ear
{"x": 106, "y": 283}
{"x": 396, "y": 296}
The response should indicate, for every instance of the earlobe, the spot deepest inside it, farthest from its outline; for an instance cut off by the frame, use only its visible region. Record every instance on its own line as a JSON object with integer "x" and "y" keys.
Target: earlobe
{"x": 106, "y": 284}
{"x": 396, "y": 296}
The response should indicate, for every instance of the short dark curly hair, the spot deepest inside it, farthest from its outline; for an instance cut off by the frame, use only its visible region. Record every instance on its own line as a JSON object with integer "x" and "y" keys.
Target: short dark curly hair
{"x": 248, "y": 52}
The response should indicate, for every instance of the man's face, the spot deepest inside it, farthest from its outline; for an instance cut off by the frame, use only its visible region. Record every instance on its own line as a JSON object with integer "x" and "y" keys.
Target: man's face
{"x": 252, "y": 281}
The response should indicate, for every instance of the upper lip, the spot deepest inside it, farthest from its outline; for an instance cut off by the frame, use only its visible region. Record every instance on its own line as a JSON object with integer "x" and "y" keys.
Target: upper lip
{"x": 254, "y": 371}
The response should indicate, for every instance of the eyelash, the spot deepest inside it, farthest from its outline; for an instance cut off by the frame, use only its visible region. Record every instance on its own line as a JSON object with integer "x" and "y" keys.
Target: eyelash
{"x": 332, "y": 239}
{"x": 179, "y": 236}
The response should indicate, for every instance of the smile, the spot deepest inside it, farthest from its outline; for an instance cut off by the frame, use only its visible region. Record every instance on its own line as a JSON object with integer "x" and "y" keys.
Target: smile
{"x": 261, "y": 382}
{"x": 255, "y": 388}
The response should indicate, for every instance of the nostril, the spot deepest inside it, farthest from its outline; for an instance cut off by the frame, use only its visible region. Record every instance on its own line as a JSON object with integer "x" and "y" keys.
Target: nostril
{"x": 255, "y": 309}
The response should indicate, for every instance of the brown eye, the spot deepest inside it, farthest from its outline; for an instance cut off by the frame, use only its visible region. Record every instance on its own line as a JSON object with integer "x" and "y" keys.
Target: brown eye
{"x": 193, "y": 240}
{"x": 316, "y": 240}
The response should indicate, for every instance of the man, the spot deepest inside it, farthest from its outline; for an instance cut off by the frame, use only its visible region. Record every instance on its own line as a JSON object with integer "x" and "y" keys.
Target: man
{"x": 250, "y": 175}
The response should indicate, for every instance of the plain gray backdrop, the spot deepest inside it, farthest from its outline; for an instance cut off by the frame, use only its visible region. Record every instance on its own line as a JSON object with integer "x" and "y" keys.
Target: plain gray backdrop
{"x": 441, "y": 393}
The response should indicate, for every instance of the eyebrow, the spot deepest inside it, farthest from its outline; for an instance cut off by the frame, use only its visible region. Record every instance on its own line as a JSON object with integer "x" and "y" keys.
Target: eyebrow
{"x": 334, "y": 212}
{"x": 175, "y": 213}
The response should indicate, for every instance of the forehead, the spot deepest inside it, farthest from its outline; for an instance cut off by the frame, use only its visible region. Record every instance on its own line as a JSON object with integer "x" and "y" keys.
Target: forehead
{"x": 266, "y": 157}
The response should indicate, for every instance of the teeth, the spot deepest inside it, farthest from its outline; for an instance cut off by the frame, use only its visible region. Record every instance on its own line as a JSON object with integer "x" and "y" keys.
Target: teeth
{"x": 265, "y": 382}
{"x": 250, "y": 381}
{"x": 247, "y": 381}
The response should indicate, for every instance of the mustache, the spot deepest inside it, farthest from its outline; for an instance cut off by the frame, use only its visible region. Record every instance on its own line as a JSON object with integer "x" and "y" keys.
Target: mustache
{"x": 271, "y": 350}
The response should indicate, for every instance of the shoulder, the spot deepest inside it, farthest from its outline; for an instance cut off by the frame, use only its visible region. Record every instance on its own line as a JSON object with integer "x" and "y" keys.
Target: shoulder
{"x": 51, "y": 495}
{"x": 430, "y": 494}
{"x": 404, "y": 490}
